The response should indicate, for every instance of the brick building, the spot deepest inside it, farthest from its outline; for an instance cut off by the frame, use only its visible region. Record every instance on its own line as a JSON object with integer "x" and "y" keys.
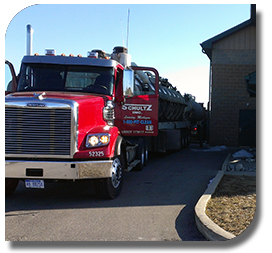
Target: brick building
{"x": 232, "y": 99}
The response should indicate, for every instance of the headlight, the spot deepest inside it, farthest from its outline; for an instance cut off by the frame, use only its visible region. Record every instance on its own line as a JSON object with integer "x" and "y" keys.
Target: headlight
{"x": 93, "y": 140}
{"x": 96, "y": 140}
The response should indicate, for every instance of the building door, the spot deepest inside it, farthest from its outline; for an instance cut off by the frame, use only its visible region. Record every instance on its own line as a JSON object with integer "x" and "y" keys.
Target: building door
{"x": 247, "y": 128}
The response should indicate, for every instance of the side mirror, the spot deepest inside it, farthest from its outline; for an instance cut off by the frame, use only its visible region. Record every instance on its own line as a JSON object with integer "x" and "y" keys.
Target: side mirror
{"x": 12, "y": 85}
{"x": 128, "y": 83}
{"x": 8, "y": 79}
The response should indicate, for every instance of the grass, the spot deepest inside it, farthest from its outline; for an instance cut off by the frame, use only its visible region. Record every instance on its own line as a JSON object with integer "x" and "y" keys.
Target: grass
{"x": 233, "y": 204}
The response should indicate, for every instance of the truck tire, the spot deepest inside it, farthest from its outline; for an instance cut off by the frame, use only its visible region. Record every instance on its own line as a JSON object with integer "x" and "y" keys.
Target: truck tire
{"x": 140, "y": 155}
{"x": 183, "y": 139}
{"x": 145, "y": 152}
{"x": 10, "y": 185}
{"x": 110, "y": 188}
{"x": 188, "y": 137}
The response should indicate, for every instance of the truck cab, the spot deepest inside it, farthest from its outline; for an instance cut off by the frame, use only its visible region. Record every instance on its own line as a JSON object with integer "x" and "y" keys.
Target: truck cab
{"x": 74, "y": 118}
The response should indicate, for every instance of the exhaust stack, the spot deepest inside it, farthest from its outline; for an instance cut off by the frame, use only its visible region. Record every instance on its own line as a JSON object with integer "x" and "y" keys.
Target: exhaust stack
{"x": 29, "y": 32}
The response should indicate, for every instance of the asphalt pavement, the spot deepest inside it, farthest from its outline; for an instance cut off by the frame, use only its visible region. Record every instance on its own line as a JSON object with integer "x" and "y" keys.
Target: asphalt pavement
{"x": 156, "y": 204}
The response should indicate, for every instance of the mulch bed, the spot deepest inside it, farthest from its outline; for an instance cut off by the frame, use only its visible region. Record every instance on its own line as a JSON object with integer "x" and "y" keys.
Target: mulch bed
{"x": 233, "y": 204}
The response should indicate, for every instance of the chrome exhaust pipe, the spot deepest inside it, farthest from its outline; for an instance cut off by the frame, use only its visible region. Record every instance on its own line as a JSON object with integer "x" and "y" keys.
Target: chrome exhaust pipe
{"x": 29, "y": 33}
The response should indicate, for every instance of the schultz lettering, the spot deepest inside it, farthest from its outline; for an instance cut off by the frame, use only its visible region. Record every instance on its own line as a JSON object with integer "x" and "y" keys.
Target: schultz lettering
{"x": 135, "y": 107}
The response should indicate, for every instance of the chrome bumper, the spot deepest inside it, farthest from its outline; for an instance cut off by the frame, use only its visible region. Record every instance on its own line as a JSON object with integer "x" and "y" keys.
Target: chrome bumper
{"x": 58, "y": 170}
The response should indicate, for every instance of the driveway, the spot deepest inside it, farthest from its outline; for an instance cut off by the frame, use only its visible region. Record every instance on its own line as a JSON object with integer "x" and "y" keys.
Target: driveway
{"x": 156, "y": 204}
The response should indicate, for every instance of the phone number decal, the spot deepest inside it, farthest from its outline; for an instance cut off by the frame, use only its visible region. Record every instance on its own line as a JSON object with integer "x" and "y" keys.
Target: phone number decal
{"x": 136, "y": 121}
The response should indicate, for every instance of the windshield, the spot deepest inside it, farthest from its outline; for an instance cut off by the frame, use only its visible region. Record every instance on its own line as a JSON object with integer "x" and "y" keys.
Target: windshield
{"x": 50, "y": 77}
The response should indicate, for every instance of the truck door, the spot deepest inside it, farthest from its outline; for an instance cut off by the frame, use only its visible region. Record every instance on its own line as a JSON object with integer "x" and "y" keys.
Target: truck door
{"x": 137, "y": 113}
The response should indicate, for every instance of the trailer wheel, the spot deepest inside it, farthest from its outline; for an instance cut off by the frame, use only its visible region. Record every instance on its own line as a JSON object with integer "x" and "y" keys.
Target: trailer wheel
{"x": 183, "y": 139}
{"x": 188, "y": 137}
{"x": 10, "y": 185}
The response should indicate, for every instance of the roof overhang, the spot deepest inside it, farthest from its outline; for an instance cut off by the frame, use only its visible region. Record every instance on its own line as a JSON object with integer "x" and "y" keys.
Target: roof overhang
{"x": 207, "y": 45}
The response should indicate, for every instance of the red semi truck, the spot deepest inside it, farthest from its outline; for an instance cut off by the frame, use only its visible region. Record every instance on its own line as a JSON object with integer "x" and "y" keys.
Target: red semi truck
{"x": 94, "y": 117}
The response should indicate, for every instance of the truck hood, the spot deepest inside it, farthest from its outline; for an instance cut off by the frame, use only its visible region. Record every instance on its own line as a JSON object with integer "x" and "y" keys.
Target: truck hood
{"x": 88, "y": 114}
{"x": 78, "y": 97}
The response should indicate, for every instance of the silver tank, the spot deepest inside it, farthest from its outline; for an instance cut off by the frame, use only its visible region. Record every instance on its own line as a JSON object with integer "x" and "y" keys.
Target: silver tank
{"x": 194, "y": 111}
{"x": 171, "y": 102}
{"x": 172, "y": 105}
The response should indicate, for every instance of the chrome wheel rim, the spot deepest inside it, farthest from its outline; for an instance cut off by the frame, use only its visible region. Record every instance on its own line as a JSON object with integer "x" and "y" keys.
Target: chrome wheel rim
{"x": 116, "y": 172}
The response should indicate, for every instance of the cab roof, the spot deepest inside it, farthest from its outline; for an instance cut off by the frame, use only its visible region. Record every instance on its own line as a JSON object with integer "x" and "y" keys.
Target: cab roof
{"x": 69, "y": 60}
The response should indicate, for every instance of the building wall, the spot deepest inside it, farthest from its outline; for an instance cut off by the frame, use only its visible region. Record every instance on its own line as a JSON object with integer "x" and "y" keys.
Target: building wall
{"x": 232, "y": 59}
{"x": 244, "y": 39}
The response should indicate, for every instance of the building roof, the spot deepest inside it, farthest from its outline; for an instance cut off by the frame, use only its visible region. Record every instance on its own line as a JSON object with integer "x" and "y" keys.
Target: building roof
{"x": 208, "y": 44}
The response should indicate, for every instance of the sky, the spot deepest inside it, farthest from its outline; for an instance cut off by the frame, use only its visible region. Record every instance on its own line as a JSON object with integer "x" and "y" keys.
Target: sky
{"x": 164, "y": 36}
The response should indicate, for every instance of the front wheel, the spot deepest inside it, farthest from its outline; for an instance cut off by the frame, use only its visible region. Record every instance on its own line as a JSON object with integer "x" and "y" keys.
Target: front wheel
{"x": 110, "y": 188}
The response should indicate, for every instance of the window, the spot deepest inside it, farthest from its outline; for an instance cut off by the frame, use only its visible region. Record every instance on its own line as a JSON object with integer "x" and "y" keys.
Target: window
{"x": 142, "y": 88}
{"x": 251, "y": 84}
{"x": 50, "y": 77}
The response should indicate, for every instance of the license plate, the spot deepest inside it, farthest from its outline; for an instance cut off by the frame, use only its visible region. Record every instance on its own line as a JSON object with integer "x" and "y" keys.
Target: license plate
{"x": 38, "y": 184}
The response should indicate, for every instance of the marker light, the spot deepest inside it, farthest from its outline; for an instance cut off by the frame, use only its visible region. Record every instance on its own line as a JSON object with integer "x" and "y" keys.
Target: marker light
{"x": 50, "y": 52}
{"x": 104, "y": 139}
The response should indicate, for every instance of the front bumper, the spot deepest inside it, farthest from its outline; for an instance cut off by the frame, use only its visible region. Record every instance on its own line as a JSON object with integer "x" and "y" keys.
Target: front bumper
{"x": 58, "y": 170}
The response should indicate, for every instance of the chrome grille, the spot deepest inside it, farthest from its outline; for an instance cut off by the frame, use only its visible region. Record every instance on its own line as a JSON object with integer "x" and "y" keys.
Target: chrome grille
{"x": 37, "y": 131}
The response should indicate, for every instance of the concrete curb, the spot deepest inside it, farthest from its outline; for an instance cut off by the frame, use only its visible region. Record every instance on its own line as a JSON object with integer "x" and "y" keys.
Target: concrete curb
{"x": 205, "y": 225}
